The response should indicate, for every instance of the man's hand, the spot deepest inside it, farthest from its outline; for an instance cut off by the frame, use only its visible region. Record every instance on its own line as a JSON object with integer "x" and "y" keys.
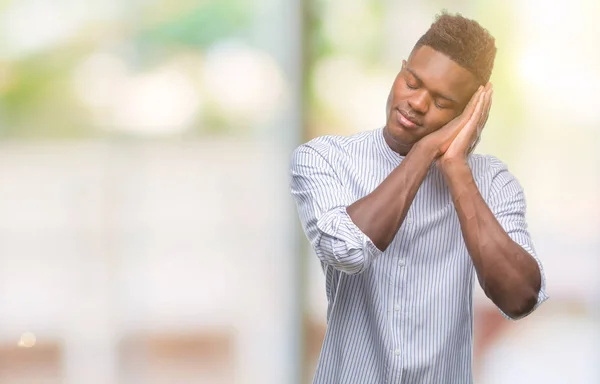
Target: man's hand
{"x": 468, "y": 137}
{"x": 470, "y": 120}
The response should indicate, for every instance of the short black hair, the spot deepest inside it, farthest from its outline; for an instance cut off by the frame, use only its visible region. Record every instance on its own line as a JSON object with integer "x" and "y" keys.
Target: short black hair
{"x": 464, "y": 41}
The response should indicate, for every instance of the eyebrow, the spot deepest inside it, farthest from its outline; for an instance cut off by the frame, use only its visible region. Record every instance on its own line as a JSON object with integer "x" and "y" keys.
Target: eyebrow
{"x": 436, "y": 93}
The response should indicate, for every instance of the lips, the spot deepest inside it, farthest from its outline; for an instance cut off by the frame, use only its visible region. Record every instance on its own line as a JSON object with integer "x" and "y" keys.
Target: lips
{"x": 406, "y": 121}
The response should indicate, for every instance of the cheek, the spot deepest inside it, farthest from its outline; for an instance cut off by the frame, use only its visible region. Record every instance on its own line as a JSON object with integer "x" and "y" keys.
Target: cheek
{"x": 398, "y": 89}
{"x": 390, "y": 101}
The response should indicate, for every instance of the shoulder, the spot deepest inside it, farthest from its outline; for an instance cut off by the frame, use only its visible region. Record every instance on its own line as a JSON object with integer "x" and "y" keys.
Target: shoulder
{"x": 493, "y": 174}
{"x": 331, "y": 147}
{"x": 486, "y": 165}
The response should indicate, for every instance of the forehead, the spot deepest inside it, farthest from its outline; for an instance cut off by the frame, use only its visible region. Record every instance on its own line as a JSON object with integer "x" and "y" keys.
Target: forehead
{"x": 440, "y": 74}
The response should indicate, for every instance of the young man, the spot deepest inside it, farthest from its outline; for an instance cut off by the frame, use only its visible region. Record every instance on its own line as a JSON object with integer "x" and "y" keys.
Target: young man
{"x": 401, "y": 217}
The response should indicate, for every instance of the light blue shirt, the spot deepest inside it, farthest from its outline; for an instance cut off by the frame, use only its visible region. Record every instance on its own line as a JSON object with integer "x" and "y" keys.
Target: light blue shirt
{"x": 404, "y": 315}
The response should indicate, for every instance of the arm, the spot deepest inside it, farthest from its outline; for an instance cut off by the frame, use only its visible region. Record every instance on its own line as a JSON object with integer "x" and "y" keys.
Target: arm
{"x": 321, "y": 200}
{"x": 496, "y": 237}
{"x": 508, "y": 274}
{"x": 345, "y": 233}
{"x": 380, "y": 214}
{"x": 349, "y": 234}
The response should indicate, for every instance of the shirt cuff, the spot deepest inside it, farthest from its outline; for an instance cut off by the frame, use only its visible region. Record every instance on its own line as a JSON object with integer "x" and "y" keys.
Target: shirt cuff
{"x": 347, "y": 238}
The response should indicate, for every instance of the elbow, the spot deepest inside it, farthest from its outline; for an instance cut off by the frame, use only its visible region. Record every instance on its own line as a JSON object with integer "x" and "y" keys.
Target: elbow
{"x": 525, "y": 301}
{"x": 523, "y": 306}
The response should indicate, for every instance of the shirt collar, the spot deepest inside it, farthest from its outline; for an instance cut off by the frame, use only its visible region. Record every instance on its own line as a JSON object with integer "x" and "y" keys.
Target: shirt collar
{"x": 388, "y": 152}
{"x": 385, "y": 149}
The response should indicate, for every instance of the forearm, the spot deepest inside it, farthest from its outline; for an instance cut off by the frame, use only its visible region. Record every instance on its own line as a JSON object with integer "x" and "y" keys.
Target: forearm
{"x": 509, "y": 275}
{"x": 380, "y": 214}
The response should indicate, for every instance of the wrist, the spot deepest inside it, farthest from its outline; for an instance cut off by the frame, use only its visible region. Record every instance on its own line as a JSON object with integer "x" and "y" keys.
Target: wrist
{"x": 432, "y": 152}
{"x": 452, "y": 165}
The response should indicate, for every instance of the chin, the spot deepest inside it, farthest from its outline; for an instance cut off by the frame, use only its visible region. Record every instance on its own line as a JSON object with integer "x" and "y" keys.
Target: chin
{"x": 398, "y": 139}
{"x": 402, "y": 135}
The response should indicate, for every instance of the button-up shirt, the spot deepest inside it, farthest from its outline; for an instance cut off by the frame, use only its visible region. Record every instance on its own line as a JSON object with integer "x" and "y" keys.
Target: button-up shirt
{"x": 404, "y": 315}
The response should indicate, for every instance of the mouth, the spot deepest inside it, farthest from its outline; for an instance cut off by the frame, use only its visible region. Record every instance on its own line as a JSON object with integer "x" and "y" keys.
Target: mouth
{"x": 405, "y": 120}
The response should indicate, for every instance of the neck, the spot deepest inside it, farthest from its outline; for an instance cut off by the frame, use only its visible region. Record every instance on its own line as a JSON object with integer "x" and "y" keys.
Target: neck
{"x": 396, "y": 146}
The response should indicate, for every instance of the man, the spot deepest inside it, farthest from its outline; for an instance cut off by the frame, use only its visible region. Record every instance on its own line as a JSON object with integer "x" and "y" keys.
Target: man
{"x": 400, "y": 218}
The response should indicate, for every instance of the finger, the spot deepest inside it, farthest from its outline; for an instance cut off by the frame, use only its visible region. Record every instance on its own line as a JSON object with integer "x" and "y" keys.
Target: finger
{"x": 475, "y": 98}
{"x": 482, "y": 117}
{"x": 486, "y": 91}
{"x": 472, "y": 147}
{"x": 467, "y": 131}
{"x": 470, "y": 108}
{"x": 486, "y": 109}
{"x": 487, "y": 101}
{"x": 476, "y": 114}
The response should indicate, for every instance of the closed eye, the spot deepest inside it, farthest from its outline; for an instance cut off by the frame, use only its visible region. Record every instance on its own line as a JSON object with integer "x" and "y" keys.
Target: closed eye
{"x": 411, "y": 83}
{"x": 439, "y": 106}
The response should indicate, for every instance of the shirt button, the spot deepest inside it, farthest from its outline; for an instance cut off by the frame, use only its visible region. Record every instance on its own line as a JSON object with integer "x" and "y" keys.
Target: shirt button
{"x": 401, "y": 262}
{"x": 397, "y": 352}
{"x": 397, "y": 307}
{"x": 408, "y": 220}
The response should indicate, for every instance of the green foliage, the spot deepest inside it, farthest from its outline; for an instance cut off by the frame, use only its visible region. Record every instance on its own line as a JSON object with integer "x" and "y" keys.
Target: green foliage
{"x": 200, "y": 26}
{"x": 38, "y": 102}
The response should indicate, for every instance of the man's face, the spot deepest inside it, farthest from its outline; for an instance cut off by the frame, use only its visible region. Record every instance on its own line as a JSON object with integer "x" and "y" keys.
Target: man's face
{"x": 429, "y": 91}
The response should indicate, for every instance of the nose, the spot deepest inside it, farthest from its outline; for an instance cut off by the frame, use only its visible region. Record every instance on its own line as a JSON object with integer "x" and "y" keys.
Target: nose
{"x": 418, "y": 102}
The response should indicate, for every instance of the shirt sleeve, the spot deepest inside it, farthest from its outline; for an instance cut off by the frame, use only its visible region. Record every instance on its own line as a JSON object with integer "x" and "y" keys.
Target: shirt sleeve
{"x": 321, "y": 200}
{"x": 507, "y": 202}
